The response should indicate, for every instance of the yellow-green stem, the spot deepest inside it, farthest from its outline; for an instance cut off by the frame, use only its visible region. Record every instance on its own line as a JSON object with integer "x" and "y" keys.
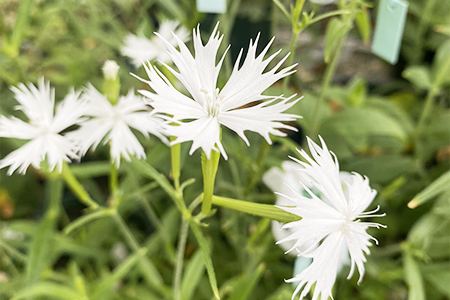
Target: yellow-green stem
{"x": 182, "y": 238}
{"x": 209, "y": 168}
{"x": 329, "y": 74}
{"x": 76, "y": 187}
{"x": 256, "y": 209}
{"x": 175, "y": 157}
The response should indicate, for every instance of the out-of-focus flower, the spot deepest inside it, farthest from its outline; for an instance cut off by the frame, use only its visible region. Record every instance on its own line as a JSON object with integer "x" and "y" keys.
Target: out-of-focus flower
{"x": 323, "y": 2}
{"x": 110, "y": 69}
{"x": 141, "y": 49}
{"x": 43, "y": 131}
{"x": 210, "y": 107}
{"x": 113, "y": 123}
{"x": 330, "y": 224}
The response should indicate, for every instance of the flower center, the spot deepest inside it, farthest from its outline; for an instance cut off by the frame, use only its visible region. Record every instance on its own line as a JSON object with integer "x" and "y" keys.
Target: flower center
{"x": 212, "y": 102}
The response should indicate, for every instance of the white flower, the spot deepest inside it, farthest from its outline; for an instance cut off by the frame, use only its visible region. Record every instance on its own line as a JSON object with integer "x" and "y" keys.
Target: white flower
{"x": 142, "y": 49}
{"x": 331, "y": 224}
{"x": 323, "y": 2}
{"x": 43, "y": 129}
{"x": 111, "y": 123}
{"x": 210, "y": 107}
{"x": 110, "y": 69}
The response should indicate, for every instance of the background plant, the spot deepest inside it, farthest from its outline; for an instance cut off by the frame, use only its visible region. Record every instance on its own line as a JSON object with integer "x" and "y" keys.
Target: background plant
{"x": 395, "y": 131}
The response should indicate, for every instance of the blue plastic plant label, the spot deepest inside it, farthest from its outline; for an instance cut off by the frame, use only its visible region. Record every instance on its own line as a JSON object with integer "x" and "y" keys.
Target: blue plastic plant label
{"x": 212, "y": 6}
{"x": 389, "y": 29}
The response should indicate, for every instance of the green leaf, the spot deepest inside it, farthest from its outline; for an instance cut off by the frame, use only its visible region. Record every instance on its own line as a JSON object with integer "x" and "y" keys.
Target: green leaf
{"x": 49, "y": 291}
{"x": 358, "y": 90}
{"x": 437, "y": 187}
{"x": 335, "y": 32}
{"x": 438, "y": 274}
{"x": 441, "y": 65}
{"x": 87, "y": 219}
{"x": 413, "y": 278}
{"x": 41, "y": 249}
{"x": 245, "y": 286}
{"x": 206, "y": 257}
{"x": 419, "y": 76}
{"x": 383, "y": 169}
{"x": 193, "y": 273}
{"x": 356, "y": 124}
{"x": 120, "y": 272}
{"x": 363, "y": 23}
{"x": 91, "y": 169}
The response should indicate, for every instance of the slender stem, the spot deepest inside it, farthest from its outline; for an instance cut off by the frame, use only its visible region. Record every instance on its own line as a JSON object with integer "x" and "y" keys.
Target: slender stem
{"x": 329, "y": 74}
{"x": 77, "y": 188}
{"x": 175, "y": 157}
{"x": 113, "y": 183}
{"x": 149, "y": 271}
{"x": 157, "y": 223}
{"x": 292, "y": 48}
{"x": 182, "y": 238}
{"x": 440, "y": 74}
{"x": 256, "y": 209}
{"x": 209, "y": 168}
{"x": 13, "y": 252}
{"x": 255, "y": 174}
{"x": 126, "y": 232}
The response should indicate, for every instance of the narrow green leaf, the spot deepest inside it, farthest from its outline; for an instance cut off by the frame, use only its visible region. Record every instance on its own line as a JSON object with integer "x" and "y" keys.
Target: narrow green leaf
{"x": 413, "y": 278}
{"x": 41, "y": 248}
{"x": 245, "y": 286}
{"x": 49, "y": 291}
{"x": 87, "y": 219}
{"x": 120, "y": 272}
{"x": 91, "y": 169}
{"x": 437, "y": 187}
{"x": 439, "y": 275}
{"x": 193, "y": 273}
{"x": 20, "y": 28}
{"x": 206, "y": 257}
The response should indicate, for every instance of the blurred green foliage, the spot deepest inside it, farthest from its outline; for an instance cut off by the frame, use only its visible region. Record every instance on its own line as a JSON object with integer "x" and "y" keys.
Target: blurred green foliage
{"x": 397, "y": 133}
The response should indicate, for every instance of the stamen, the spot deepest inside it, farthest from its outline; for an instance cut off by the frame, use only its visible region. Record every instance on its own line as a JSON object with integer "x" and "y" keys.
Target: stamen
{"x": 204, "y": 91}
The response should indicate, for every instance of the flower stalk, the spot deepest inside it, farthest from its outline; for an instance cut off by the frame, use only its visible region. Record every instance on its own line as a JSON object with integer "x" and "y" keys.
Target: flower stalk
{"x": 209, "y": 168}
{"x": 256, "y": 209}
{"x": 77, "y": 188}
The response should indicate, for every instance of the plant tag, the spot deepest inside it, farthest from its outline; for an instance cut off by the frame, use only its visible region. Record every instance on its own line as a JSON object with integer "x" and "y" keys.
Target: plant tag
{"x": 212, "y": 6}
{"x": 389, "y": 29}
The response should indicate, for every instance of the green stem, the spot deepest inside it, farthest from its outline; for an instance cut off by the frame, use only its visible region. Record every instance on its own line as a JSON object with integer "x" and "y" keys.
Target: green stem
{"x": 113, "y": 183}
{"x": 157, "y": 223}
{"x": 175, "y": 157}
{"x": 149, "y": 270}
{"x": 292, "y": 48}
{"x": 41, "y": 251}
{"x": 184, "y": 230}
{"x": 255, "y": 174}
{"x": 329, "y": 74}
{"x": 432, "y": 92}
{"x": 209, "y": 168}
{"x": 13, "y": 252}
{"x": 256, "y": 209}
{"x": 77, "y": 188}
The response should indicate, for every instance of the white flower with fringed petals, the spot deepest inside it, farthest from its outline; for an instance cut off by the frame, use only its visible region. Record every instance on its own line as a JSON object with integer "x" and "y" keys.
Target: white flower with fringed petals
{"x": 330, "y": 225}
{"x": 239, "y": 105}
